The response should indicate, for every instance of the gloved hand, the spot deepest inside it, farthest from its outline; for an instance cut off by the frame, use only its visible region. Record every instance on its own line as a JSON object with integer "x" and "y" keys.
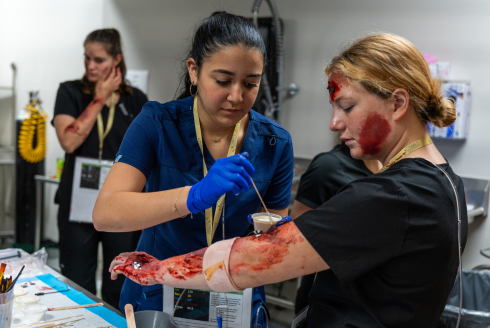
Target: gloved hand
{"x": 284, "y": 219}
{"x": 227, "y": 174}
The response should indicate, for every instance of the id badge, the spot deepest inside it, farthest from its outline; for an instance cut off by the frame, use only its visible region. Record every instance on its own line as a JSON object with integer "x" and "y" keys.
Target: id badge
{"x": 199, "y": 308}
{"x": 88, "y": 178}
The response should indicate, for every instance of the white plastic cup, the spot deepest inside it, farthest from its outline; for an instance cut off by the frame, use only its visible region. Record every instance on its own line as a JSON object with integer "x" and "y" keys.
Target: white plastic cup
{"x": 263, "y": 222}
{"x": 26, "y": 300}
{"x": 19, "y": 292}
{"x": 6, "y": 306}
{"x": 35, "y": 312}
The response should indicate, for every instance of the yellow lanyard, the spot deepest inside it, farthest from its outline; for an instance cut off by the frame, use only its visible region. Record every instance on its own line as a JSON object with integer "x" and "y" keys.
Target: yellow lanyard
{"x": 100, "y": 124}
{"x": 425, "y": 141}
{"x": 210, "y": 223}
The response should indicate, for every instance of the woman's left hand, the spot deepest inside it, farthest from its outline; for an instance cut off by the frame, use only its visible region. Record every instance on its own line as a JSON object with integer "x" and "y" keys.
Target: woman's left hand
{"x": 140, "y": 267}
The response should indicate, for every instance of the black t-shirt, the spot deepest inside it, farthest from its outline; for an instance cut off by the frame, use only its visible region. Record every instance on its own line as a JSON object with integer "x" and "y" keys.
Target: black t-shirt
{"x": 327, "y": 173}
{"x": 70, "y": 100}
{"x": 391, "y": 243}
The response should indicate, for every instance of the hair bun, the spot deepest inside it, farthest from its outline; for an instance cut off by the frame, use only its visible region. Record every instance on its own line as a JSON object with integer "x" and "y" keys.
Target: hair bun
{"x": 440, "y": 110}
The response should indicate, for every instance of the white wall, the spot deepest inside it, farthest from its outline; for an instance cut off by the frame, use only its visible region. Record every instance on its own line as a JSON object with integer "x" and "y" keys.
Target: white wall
{"x": 44, "y": 38}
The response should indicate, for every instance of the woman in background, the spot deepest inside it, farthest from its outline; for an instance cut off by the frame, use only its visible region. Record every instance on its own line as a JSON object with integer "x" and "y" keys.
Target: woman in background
{"x": 77, "y": 106}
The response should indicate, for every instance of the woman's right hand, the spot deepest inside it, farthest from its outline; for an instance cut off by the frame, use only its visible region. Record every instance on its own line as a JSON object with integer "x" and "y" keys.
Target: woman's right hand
{"x": 105, "y": 87}
{"x": 227, "y": 174}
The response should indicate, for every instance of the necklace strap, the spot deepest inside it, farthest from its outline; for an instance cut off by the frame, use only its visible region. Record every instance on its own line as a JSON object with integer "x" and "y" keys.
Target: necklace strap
{"x": 100, "y": 124}
{"x": 212, "y": 223}
{"x": 425, "y": 141}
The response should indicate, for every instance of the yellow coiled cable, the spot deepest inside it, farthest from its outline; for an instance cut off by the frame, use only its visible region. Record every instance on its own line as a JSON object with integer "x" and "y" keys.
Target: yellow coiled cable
{"x": 36, "y": 122}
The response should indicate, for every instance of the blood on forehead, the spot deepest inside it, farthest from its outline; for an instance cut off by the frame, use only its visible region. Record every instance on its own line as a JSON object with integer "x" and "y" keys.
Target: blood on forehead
{"x": 336, "y": 82}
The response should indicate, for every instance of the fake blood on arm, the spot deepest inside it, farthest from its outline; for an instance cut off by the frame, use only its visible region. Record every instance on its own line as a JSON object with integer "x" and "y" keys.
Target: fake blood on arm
{"x": 151, "y": 269}
{"x": 268, "y": 249}
{"x": 87, "y": 113}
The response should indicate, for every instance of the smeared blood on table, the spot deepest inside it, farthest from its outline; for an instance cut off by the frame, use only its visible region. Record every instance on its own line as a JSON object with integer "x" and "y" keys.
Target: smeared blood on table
{"x": 374, "y": 132}
{"x": 269, "y": 249}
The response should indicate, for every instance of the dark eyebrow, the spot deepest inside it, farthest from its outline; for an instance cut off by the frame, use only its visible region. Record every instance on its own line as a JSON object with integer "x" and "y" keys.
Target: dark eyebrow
{"x": 223, "y": 71}
{"x": 95, "y": 57}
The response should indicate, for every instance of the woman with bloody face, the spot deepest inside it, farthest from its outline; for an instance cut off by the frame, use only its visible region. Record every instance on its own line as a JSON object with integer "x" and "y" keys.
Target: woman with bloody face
{"x": 78, "y": 105}
{"x": 386, "y": 246}
{"x": 197, "y": 155}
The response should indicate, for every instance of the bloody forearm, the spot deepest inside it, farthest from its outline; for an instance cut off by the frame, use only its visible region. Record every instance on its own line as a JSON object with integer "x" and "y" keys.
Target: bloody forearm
{"x": 282, "y": 254}
{"x": 179, "y": 271}
{"x": 71, "y": 136}
{"x": 84, "y": 123}
{"x": 272, "y": 257}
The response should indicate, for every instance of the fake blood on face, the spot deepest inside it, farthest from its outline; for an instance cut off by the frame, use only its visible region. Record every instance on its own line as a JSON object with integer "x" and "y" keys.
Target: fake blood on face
{"x": 333, "y": 90}
{"x": 268, "y": 249}
{"x": 374, "y": 132}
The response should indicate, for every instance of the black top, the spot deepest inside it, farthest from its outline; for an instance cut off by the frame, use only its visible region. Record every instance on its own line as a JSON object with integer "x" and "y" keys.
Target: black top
{"x": 70, "y": 100}
{"x": 327, "y": 173}
{"x": 391, "y": 243}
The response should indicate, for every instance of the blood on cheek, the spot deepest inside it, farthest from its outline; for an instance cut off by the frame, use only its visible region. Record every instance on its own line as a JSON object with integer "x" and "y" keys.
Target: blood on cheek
{"x": 267, "y": 250}
{"x": 374, "y": 132}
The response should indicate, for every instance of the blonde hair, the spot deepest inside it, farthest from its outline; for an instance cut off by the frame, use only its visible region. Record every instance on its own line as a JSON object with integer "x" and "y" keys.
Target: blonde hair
{"x": 384, "y": 62}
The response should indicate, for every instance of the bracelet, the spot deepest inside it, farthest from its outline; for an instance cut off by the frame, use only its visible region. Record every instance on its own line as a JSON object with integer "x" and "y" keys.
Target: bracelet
{"x": 175, "y": 204}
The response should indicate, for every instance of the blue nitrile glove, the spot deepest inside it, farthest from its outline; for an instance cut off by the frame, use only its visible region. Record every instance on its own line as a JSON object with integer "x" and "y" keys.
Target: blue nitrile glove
{"x": 285, "y": 219}
{"x": 227, "y": 174}
{"x": 281, "y": 222}
{"x": 249, "y": 218}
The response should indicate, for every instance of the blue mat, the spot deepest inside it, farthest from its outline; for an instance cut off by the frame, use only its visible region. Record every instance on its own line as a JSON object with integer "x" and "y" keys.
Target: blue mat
{"x": 80, "y": 298}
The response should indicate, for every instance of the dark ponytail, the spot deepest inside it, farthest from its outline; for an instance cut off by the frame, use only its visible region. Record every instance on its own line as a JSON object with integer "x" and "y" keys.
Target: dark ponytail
{"x": 216, "y": 32}
{"x": 111, "y": 41}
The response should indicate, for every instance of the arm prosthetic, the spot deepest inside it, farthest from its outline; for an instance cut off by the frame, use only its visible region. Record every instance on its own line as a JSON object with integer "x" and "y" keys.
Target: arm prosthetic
{"x": 230, "y": 265}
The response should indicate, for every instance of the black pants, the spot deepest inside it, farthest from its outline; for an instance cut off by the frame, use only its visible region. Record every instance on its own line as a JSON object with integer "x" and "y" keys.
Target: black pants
{"x": 78, "y": 256}
{"x": 303, "y": 292}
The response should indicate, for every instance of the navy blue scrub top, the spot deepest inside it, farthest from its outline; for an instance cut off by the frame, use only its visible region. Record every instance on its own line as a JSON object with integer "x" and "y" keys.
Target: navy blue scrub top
{"x": 161, "y": 143}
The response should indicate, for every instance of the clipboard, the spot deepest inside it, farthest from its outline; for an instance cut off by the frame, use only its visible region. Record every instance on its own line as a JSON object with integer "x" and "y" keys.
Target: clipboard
{"x": 88, "y": 178}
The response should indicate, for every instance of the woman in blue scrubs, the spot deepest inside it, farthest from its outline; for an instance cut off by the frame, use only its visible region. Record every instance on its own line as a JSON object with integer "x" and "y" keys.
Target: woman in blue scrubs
{"x": 165, "y": 147}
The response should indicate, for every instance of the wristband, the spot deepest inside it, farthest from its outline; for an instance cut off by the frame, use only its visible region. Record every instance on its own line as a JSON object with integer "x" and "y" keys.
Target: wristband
{"x": 216, "y": 267}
